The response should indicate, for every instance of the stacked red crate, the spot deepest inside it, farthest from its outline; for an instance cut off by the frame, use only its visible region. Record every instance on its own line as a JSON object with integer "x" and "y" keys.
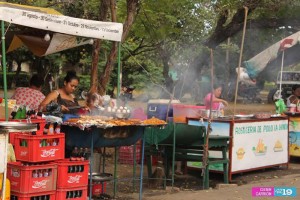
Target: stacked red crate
{"x": 39, "y": 148}
{"x": 25, "y": 178}
{"x": 34, "y": 176}
{"x": 73, "y": 179}
{"x": 126, "y": 154}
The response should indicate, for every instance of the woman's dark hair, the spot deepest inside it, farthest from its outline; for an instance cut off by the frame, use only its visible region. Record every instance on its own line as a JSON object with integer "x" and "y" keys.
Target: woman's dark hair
{"x": 36, "y": 81}
{"x": 217, "y": 85}
{"x": 70, "y": 76}
{"x": 294, "y": 87}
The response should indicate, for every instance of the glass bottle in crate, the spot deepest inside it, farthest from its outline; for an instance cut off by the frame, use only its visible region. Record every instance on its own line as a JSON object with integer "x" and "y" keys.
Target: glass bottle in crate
{"x": 34, "y": 174}
{"x": 74, "y": 154}
{"x": 80, "y": 154}
{"x": 40, "y": 173}
{"x": 45, "y": 173}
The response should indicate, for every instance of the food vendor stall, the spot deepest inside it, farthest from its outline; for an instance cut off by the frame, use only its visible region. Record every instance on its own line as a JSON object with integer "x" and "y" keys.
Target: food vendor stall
{"x": 294, "y": 134}
{"x": 254, "y": 144}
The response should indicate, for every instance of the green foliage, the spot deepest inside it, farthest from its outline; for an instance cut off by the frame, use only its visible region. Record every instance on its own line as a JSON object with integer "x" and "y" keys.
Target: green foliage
{"x": 23, "y": 80}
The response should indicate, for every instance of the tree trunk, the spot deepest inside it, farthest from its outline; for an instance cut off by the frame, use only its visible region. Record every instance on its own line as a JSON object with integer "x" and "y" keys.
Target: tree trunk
{"x": 96, "y": 48}
{"x": 132, "y": 10}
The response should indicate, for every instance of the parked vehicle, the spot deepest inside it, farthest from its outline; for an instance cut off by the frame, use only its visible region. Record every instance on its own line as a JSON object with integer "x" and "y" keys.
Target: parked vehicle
{"x": 249, "y": 91}
{"x": 289, "y": 79}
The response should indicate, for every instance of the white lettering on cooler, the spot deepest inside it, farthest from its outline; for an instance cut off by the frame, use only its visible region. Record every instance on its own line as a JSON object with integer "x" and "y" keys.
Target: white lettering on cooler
{"x": 39, "y": 184}
{"x": 74, "y": 179}
{"x": 48, "y": 153}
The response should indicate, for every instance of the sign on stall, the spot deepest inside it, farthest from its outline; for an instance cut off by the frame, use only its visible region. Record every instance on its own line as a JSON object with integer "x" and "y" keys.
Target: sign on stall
{"x": 259, "y": 144}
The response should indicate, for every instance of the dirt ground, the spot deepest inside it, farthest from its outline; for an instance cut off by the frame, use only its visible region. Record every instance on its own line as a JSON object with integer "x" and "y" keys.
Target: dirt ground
{"x": 189, "y": 186}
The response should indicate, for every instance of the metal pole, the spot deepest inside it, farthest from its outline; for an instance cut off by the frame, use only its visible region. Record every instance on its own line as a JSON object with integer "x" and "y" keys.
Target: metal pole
{"x": 281, "y": 69}
{"x": 4, "y": 69}
{"x": 6, "y": 107}
{"x": 173, "y": 154}
{"x": 115, "y": 172}
{"x": 142, "y": 166}
{"x": 119, "y": 71}
{"x": 91, "y": 165}
{"x": 134, "y": 166}
{"x": 240, "y": 61}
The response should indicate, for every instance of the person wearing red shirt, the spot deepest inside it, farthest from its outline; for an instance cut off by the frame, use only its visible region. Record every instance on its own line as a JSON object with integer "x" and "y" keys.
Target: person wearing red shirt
{"x": 30, "y": 96}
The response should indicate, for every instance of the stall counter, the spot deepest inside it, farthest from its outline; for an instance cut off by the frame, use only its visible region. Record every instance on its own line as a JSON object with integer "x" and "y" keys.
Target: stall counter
{"x": 294, "y": 135}
{"x": 254, "y": 143}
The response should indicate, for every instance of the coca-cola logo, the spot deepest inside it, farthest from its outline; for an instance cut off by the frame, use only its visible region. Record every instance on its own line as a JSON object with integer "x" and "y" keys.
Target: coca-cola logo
{"x": 23, "y": 153}
{"x": 15, "y": 173}
{"x": 13, "y": 183}
{"x": 98, "y": 190}
{"x": 74, "y": 179}
{"x": 39, "y": 184}
{"x": 48, "y": 153}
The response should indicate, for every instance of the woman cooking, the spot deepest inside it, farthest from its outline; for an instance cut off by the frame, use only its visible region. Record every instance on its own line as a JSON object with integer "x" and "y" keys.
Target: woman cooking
{"x": 217, "y": 103}
{"x": 64, "y": 96}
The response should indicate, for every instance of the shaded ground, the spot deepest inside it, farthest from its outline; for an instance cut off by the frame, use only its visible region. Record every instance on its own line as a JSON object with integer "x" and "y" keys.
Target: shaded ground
{"x": 191, "y": 183}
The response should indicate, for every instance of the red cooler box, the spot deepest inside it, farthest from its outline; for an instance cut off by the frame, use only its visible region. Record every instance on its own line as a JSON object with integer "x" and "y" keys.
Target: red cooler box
{"x": 182, "y": 111}
{"x": 32, "y": 179}
{"x": 72, "y": 173}
{"x": 39, "y": 148}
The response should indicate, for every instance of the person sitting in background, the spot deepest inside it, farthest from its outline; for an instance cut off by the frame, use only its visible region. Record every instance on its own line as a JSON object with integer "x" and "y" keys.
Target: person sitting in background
{"x": 217, "y": 102}
{"x": 30, "y": 96}
{"x": 93, "y": 102}
{"x": 64, "y": 96}
{"x": 294, "y": 97}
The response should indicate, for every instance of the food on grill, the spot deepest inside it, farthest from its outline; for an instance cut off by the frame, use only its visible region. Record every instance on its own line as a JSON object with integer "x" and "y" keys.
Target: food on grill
{"x": 154, "y": 121}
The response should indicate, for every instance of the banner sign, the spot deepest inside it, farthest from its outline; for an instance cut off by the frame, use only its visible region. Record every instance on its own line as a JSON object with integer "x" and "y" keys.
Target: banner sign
{"x": 62, "y": 24}
{"x": 259, "y": 144}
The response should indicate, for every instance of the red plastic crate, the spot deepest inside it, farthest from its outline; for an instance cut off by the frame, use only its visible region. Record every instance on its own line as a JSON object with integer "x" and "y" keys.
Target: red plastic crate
{"x": 126, "y": 154}
{"x": 69, "y": 193}
{"x": 49, "y": 196}
{"x": 97, "y": 188}
{"x": 40, "y": 128}
{"x": 23, "y": 178}
{"x": 34, "y": 151}
{"x": 72, "y": 173}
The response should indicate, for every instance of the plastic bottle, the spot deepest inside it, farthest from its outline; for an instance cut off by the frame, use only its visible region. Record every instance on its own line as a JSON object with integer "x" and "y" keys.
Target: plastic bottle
{"x": 51, "y": 129}
{"x": 18, "y": 114}
{"x": 23, "y": 112}
{"x": 57, "y": 129}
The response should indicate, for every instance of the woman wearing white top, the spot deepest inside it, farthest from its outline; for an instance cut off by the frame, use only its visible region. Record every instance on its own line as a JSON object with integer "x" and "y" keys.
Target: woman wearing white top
{"x": 294, "y": 97}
